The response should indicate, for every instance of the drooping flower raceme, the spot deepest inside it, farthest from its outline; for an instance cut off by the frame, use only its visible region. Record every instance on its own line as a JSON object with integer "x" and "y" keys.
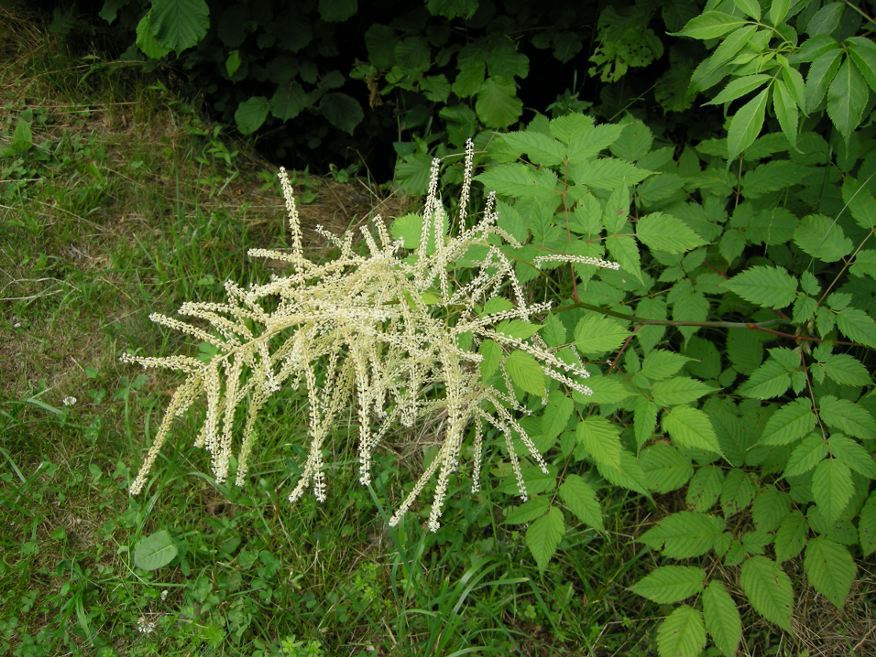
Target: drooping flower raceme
{"x": 392, "y": 332}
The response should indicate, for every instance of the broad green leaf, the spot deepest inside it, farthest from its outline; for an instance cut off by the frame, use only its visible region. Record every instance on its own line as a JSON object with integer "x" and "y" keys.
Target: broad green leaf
{"x": 750, "y": 8}
{"x": 847, "y": 99}
{"x": 679, "y": 390}
{"x": 232, "y": 63}
{"x": 146, "y": 41}
{"x": 847, "y": 416}
{"x": 830, "y": 569}
{"x": 519, "y": 181}
{"x": 785, "y": 108}
{"x": 737, "y": 492}
{"x": 660, "y": 364}
{"x": 684, "y": 534}
{"x": 544, "y": 535}
{"x": 821, "y": 74}
{"x": 581, "y": 500}
{"x": 832, "y": 488}
{"x": 517, "y": 328}
{"x": 154, "y": 551}
{"x": 738, "y": 87}
{"x": 595, "y": 334}
{"x": 585, "y": 146}
{"x": 289, "y": 100}
{"x": 666, "y": 469}
{"x": 857, "y": 325}
{"x": 862, "y": 52}
{"x": 336, "y": 11}
{"x": 681, "y": 634}
{"x": 540, "y": 148}
{"x": 341, "y": 110}
{"x": 769, "y": 287}
{"x": 644, "y": 420}
{"x": 663, "y": 232}
{"x": 669, "y": 584}
{"x": 624, "y": 250}
{"x": 22, "y": 138}
{"x": 571, "y": 126}
{"x": 778, "y": 10}
{"x": 704, "y": 488}
{"x": 768, "y": 589}
{"x": 722, "y": 618}
{"x": 531, "y": 509}
{"x": 691, "y": 427}
{"x": 746, "y": 124}
{"x": 806, "y": 456}
{"x": 790, "y": 423}
{"x": 826, "y": 19}
{"x": 822, "y": 238}
{"x": 711, "y": 25}
{"x": 497, "y": 104}
{"x": 791, "y": 536}
{"x": 251, "y": 114}
{"x": 525, "y": 372}
{"x": 601, "y": 439}
{"x": 867, "y": 526}
{"x": 853, "y": 454}
{"x": 179, "y": 24}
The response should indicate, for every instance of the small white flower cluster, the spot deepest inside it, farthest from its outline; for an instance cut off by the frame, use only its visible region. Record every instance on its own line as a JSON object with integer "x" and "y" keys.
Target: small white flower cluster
{"x": 382, "y": 331}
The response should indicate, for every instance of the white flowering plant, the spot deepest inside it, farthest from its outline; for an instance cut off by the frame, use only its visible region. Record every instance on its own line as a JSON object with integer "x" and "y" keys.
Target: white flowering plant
{"x": 441, "y": 330}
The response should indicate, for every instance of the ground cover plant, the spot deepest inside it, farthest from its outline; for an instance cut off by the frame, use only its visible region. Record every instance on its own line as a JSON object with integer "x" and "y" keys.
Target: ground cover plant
{"x": 712, "y": 495}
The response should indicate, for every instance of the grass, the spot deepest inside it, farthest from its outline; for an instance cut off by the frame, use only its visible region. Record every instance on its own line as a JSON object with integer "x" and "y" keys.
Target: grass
{"x": 117, "y": 200}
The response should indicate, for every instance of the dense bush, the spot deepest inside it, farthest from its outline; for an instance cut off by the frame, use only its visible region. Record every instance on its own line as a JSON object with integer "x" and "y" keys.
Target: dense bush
{"x": 736, "y": 341}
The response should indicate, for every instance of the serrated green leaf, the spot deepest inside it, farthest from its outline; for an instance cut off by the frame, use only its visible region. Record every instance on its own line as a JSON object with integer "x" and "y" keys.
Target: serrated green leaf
{"x": 540, "y": 148}
{"x": 768, "y": 589}
{"x": 770, "y": 287}
{"x": 769, "y": 508}
{"x": 832, "y": 488}
{"x": 790, "y": 423}
{"x": 531, "y": 509}
{"x": 525, "y": 372}
{"x": 749, "y": 8}
{"x": 519, "y": 181}
{"x": 341, "y": 110}
{"x": 711, "y": 25}
{"x": 570, "y": 126}
{"x": 847, "y": 416}
{"x": 846, "y": 370}
{"x": 556, "y": 415}
{"x": 681, "y": 634}
{"x": 669, "y": 584}
{"x": 691, "y": 427}
{"x": 684, "y": 534}
{"x": 785, "y": 108}
{"x": 666, "y": 469}
{"x": 806, "y": 456}
{"x": 627, "y": 475}
{"x": 791, "y": 536}
{"x": 867, "y": 526}
{"x": 853, "y": 454}
{"x": 821, "y": 74}
{"x": 746, "y": 124}
{"x": 738, "y": 87}
{"x": 155, "y": 551}
{"x": 778, "y": 10}
{"x": 857, "y": 325}
{"x": 830, "y": 569}
{"x": 601, "y": 440}
{"x": 771, "y": 379}
{"x": 822, "y": 238}
{"x": 737, "y": 492}
{"x": 544, "y": 535}
{"x": 663, "y": 232}
{"x": 678, "y": 390}
{"x": 847, "y": 99}
{"x": 660, "y": 364}
{"x": 586, "y": 145}
{"x": 607, "y": 173}
{"x": 704, "y": 488}
{"x": 862, "y": 52}
{"x": 581, "y": 500}
{"x": 596, "y": 335}
{"x": 722, "y": 618}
